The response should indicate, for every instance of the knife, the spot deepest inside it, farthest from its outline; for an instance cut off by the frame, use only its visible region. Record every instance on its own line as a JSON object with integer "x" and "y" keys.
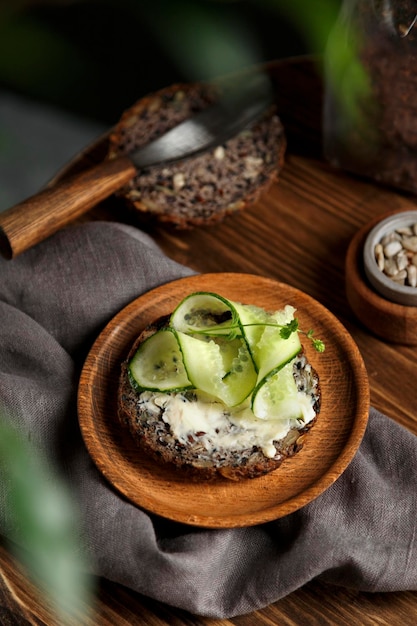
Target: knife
{"x": 38, "y": 217}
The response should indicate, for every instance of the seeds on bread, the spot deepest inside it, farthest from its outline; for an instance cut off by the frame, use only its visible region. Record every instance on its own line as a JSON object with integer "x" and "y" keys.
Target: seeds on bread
{"x": 203, "y": 189}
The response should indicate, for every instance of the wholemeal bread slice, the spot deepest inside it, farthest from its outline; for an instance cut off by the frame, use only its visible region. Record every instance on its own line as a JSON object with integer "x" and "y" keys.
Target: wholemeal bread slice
{"x": 200, "y": 454}
{"x": 203, "y": 189}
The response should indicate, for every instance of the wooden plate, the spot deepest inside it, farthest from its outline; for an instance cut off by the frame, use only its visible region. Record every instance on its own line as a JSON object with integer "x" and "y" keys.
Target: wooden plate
{"x": 329, "y": 447}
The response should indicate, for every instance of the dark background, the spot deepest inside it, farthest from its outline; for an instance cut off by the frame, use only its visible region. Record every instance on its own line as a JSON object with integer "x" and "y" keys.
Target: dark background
{"x": 95, "y": 58}
{"x": 69, "y": 68}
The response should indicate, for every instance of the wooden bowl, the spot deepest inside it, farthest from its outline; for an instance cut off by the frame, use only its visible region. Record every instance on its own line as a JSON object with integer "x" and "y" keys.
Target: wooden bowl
{"x": 384, "y": 285}
{"x": 388, "y": 320}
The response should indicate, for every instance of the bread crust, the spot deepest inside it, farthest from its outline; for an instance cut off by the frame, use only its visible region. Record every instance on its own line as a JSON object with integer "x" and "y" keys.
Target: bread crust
{"x": 201, "y": 190}
{"x": 154, "y": 437}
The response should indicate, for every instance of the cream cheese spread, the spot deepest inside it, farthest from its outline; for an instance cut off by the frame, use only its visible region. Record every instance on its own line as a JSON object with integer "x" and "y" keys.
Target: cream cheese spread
{"x": 201, "y": 416}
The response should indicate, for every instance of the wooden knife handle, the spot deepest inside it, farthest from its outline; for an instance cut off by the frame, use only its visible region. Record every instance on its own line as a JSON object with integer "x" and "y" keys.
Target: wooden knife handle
{"x": 34, "y": 219}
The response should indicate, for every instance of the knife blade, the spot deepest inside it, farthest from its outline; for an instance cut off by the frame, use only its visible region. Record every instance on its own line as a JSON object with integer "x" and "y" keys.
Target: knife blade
{"x": 207, "y": 129}
{"x": 39, "y": 216}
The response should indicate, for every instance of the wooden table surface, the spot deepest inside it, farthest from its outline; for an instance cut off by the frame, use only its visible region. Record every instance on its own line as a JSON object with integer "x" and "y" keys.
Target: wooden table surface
{"x": 298, "y": 233}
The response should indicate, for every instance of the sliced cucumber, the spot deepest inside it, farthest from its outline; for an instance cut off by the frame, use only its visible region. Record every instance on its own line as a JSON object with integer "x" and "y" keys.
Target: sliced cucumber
{"x": 229, "y": 375}
{"x": 272, "y": 351}
{"x": 251, "y": 320}
{"x": 276, "y": 397}
{"x": 158, "y": 364}
{"x": 202, "y": 311}
{"x": 229, "y": 350}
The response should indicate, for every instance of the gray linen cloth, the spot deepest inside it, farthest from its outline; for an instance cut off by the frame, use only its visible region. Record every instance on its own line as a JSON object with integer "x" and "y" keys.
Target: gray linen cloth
{"x": 54, "y": 301}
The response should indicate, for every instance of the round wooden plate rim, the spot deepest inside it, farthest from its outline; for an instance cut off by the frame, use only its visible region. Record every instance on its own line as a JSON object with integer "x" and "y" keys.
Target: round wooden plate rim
{"x": 111, "y": 347}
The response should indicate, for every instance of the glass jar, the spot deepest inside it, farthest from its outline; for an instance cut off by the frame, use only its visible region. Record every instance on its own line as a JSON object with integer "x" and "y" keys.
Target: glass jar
{"x": 375, "y": 134}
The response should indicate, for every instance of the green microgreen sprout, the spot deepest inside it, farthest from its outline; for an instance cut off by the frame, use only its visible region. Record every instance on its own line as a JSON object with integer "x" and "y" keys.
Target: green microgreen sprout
{"x": 318, "y": 344}
{"x": 290, "y": 328}
{"x": 286, "y": 330}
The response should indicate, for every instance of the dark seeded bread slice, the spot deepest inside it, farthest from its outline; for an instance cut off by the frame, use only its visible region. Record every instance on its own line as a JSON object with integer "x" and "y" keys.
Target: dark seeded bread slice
{"x": 203, "y": 189}
{"x": 154, "y": 437}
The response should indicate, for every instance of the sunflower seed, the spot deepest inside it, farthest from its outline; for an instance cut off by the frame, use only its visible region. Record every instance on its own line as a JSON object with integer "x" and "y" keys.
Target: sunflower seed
{"x": 396, "y": 255}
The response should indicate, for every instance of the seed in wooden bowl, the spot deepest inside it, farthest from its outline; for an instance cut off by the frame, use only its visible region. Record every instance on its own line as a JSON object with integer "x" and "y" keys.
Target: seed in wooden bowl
{"x": 396, "y": 255}
{"x": 390, "y": 257}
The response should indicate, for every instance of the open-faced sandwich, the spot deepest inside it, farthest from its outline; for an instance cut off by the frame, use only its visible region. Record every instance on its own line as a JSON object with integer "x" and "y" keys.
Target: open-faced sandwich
{"x": 220, "y": 388}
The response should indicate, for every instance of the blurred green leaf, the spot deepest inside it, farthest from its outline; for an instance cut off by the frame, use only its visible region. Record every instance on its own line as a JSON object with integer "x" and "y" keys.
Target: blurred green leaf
{"x": 207, "y": 43}
{"x": 32, "y": 53}
{"x": 327, "y": 31}
{"x": 43, "y": 525}
{"x": 204, "y": 43}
